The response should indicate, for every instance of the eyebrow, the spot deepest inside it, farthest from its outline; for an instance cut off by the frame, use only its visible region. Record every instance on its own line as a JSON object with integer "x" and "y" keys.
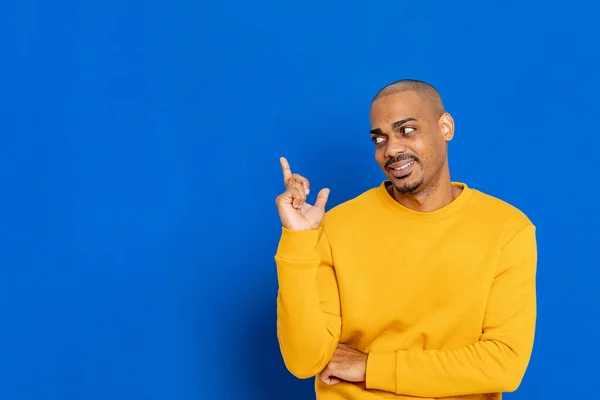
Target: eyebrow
{"x": 395, "y": 125}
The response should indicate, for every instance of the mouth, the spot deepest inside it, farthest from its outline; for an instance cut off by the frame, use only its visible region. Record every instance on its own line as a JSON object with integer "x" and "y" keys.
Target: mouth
{"x": 401, "y": 169}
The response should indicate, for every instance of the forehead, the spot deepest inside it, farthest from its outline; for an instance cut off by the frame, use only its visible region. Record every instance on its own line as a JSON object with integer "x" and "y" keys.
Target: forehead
{"x": 397, "y": 106}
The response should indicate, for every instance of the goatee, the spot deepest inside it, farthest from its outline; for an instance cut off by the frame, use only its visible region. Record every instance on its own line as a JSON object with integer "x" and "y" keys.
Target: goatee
{"x": 409, "y": 187}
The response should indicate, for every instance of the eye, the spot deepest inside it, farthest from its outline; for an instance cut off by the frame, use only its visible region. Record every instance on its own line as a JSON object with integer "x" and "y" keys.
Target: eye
{"x": 407, "y": 130}
{"x": 377, "y": 139}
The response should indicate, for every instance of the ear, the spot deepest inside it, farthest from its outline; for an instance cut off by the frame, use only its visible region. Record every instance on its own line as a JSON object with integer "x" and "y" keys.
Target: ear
{"x": 446, "y": 124}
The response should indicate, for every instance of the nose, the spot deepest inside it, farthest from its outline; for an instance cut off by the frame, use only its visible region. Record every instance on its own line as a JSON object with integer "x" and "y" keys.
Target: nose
{"x": 395, "y": 145}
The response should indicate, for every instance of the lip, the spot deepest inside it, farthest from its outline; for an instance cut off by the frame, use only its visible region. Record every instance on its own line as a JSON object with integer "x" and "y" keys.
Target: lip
{"x": 406, "y": 166}
{"x": 400, "y": 163}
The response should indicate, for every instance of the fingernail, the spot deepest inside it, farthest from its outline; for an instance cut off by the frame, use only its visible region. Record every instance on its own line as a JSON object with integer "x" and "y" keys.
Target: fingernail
{"x": 307, "y": 191}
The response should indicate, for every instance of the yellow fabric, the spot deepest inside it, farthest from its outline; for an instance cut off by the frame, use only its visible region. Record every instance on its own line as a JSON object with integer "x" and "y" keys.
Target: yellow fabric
{"x": 444, "y": 303}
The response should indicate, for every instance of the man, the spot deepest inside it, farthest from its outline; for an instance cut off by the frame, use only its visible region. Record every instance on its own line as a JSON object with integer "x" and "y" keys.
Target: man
{"x": 421, "y": 287}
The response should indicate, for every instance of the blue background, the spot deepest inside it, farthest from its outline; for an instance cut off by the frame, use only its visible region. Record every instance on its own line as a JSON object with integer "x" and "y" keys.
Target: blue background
{"x": 139, "y": 147}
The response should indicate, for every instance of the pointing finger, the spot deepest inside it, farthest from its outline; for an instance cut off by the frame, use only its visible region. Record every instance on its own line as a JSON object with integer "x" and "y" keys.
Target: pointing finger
{"x": 287, "y": 171}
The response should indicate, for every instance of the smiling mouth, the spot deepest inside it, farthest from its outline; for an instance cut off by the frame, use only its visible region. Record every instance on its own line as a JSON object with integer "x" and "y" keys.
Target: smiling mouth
{"x": 402, "y": 169}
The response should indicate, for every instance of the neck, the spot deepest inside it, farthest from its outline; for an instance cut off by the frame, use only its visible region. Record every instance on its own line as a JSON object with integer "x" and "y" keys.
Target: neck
{"x": 427, "y": 199}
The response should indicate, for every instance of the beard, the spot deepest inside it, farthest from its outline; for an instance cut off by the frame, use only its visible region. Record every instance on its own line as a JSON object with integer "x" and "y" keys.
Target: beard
{"x": 409, "y": 187}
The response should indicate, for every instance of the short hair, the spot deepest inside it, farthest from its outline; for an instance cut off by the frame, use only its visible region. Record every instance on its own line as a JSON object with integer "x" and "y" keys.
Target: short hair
{"x": 423, "y": 89}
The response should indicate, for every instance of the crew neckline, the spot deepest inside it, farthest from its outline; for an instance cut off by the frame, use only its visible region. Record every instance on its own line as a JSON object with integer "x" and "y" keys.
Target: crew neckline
{"x": 448, "y": 210}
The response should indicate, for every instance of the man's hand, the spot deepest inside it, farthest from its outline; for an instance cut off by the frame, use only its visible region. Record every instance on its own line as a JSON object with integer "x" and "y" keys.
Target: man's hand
{"x": 346, "y": 364}
{"x": 295, "y": 213}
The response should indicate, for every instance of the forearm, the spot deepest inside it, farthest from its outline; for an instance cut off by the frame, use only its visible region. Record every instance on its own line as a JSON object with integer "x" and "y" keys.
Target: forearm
{"x": 308, "y": 322}
{"x": 487, "y": 366}
{"x": 307, "y": 337}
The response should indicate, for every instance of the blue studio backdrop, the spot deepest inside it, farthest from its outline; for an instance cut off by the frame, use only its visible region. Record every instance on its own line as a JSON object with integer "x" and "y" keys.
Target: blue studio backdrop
{"x": 139, "y": 151}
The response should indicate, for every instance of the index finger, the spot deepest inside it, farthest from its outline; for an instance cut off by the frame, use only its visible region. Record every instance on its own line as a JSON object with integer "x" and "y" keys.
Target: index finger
{"x": 287, "y": 171}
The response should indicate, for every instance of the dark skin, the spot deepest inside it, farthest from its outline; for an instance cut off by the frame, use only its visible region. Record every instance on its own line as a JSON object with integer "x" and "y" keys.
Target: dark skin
{"x": 409, "y": 125}
{"x": 346, "y": 364}
{"x": 406, "y": 128}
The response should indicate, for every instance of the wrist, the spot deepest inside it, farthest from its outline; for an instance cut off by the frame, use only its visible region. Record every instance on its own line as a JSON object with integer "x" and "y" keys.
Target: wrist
{"x": 380, "y": 371}
{"x": 304, "y": 229}
{"x": 298, "y": 245}
{"x": 364, "y": 367}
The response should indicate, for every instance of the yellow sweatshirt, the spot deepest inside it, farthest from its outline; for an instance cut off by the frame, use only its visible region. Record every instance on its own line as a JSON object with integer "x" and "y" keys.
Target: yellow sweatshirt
{"x": 444, "y": 302}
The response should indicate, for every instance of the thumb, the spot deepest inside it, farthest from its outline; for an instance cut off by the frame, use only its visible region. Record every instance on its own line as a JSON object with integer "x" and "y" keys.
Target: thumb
{"x": 322, "y": 198}
{"x": 328, "y": 379}
{"x": 331, "y": 381}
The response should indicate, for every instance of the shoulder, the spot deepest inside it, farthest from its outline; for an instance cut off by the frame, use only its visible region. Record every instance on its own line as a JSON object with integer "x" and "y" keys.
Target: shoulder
{"x": 340, "y": 213}
{"x": 499, "y": 212}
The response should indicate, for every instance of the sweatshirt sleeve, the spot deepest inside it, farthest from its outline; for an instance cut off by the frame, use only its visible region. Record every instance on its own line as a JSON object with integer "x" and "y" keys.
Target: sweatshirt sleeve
{"x": 308, "y": 305}
{"x": 497, "y": 362}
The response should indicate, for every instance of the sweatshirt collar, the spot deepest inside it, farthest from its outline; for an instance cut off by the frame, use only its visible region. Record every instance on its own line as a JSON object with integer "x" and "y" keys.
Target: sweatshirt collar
{"x": 448, "y": 210}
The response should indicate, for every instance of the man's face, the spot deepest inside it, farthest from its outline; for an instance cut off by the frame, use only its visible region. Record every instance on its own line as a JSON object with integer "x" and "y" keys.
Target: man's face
{"x": 410, "y": 139}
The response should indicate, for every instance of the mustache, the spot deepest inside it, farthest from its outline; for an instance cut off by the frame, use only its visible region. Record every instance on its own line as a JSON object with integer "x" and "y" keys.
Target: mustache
{"x": 402, "y": 157}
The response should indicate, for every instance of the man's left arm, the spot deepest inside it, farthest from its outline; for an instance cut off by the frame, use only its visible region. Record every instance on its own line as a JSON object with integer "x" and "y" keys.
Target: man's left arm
{"x": 497, "y": 362}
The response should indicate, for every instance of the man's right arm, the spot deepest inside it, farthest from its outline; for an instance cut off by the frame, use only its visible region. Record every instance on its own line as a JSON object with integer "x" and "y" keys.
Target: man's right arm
{"x": 308, "y": 305}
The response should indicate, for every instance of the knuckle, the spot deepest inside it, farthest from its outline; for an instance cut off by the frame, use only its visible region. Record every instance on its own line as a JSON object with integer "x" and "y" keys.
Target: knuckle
{"x": 300, "y": 178}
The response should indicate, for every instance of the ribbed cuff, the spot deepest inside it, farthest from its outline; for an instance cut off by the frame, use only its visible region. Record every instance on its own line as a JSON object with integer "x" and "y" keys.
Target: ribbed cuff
{"x": 298, "y": 245}
{"x": 381, "y": 371}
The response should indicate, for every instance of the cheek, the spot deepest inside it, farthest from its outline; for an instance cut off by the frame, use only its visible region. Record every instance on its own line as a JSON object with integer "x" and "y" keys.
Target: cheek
{"x": 418, "y": 147}
{"x": 429, "y": 152}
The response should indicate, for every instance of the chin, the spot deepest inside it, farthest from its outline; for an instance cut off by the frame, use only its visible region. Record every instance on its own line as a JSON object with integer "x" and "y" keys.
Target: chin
{"x": 407, "y": 184}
